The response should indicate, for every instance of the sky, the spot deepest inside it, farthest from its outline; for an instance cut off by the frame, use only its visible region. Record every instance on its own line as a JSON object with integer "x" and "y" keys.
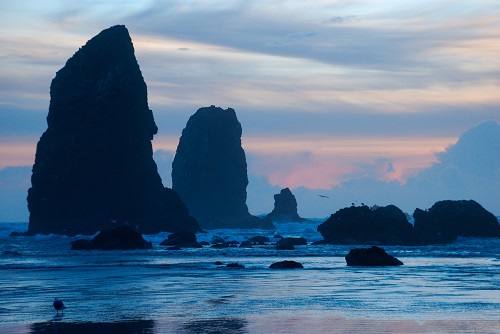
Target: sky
{"x": 359, "y": 100}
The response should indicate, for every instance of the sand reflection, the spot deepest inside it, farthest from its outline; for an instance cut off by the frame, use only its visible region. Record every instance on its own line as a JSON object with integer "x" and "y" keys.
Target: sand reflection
{"x": 213, "y": 326}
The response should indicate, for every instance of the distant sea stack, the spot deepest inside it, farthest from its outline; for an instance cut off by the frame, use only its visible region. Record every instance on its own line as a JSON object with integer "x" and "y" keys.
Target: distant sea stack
{"x": 94, "y": 164}
{"x": 209, "y": 171}
{"x": 285, "y": 208}
{"x": 447, "y": 220}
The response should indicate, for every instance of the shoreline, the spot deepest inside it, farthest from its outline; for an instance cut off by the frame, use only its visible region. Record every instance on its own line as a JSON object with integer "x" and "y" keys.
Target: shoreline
{"x": 253, "y": 324}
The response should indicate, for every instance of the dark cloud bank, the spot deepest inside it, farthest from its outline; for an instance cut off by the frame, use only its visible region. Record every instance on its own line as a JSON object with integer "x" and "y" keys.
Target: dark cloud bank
{"x": 469, "y": 169}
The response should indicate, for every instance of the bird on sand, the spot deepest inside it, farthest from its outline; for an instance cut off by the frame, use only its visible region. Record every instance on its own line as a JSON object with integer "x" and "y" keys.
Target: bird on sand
{"x": 58, "y": 305}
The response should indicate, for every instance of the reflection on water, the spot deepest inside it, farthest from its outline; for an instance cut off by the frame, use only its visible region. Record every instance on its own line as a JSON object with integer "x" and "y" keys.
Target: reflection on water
{"x": 216, "y": 326}
{"x": 57, "y": 326}
{"x": 440, "y": 289}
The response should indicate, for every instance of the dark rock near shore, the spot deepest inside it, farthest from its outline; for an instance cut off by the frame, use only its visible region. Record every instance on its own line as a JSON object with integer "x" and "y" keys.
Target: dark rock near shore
{"x": 235, "y": 266}
{"x": 447, "y": 220}
{"x": 122, "y": 237}
{"x": 292, "y": 241}
{"x": 361, "y": 225}
{"x": 285, "y": 208}
{"x": 374, "y": 256}
{"x": 286, "y": 265}
{"x": 185, "y": 239}
{"x": 258, "y": 240}
{"x": 94, "y": 164}
{"x": 209, "y": 171}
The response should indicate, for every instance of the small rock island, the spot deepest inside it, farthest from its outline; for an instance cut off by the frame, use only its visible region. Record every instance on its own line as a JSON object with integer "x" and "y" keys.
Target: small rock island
{"x": 447, "y": 220}
{"x": 361, "y": 225}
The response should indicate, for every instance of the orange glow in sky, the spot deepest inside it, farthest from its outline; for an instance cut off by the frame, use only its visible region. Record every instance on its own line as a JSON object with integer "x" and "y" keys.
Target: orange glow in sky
{"x": 320, "y": 163}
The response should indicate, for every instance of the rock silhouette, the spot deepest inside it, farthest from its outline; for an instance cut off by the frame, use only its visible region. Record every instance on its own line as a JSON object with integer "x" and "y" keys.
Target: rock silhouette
{"x": 285, "y": 208}
{"x": 209, "y": 171}
{"x": 361, "y": 225}
{"x": 94, "y": 162}
{"x": 447, "y": 220}
{"x": 373, "y": 256}
{"x": 286, "y": 265}
{"x": 184, "y": 239}
{"x": 122, "y": 237}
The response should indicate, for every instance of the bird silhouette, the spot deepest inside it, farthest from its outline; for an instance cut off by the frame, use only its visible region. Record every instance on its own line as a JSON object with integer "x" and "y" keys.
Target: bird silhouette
{"x": 324, "y": 196}
{"x": 58, "y": 305}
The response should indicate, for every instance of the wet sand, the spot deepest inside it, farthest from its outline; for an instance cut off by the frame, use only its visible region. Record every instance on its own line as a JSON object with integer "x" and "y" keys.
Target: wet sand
{"x": 301, "y": 323}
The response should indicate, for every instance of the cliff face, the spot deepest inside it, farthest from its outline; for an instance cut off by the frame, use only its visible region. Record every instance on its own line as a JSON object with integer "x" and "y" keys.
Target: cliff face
{"x": 209, "y": 170}
{"x": 94, "y": 163}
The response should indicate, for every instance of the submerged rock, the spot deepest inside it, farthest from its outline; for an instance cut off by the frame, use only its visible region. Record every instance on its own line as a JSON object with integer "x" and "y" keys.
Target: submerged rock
{"x": 292, "y": 241}
{"x": 235, "y": 266}
{"x": 374, "y": 256}
{"x": 286, "y": 265}
{"x": 285, "y": 208}
{"x": 209, "y": 171}
{"x": 447, "y": 220}
{"x": 94, "y": 163}
{"x": 122, "y": 237}
{"x": 258, "y": 240}
{"x": 361, "y": 225}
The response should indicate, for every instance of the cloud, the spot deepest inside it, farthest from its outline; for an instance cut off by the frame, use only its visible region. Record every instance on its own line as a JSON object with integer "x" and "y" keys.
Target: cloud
{"x": 164, "y": 159}
{"x": 477, "y": 151}
{"x": 295, "y": 73}
{"x": 14, "y": 185}
{"x": 468, "y": 169}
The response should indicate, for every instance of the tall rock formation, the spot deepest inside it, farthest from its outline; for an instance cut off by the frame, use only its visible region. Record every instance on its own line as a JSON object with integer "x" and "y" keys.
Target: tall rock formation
{"x": 209, "y": 171}
{"x": 94, "y": 163}
{"x": 285, "y": 208}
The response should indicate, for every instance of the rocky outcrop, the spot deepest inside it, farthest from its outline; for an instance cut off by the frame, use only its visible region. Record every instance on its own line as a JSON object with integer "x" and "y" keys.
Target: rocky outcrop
{"x": 209, "y": 171}
{"x": 286, "y": 265}
{"x": 186, "y": 239}
{"x": 361, "y": 225}
{"x": 258, "y": 240}
{"x": 285, "y": 208}
{"x": 122, "y": 237}
{"x": 447, "y": 220}
{"x": 374, "y": 256}
{"x": 94, "y": 163}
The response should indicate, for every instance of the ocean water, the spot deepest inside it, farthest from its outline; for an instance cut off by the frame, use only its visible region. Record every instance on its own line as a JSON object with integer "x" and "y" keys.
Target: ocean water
{"x": 451, "y": 288}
